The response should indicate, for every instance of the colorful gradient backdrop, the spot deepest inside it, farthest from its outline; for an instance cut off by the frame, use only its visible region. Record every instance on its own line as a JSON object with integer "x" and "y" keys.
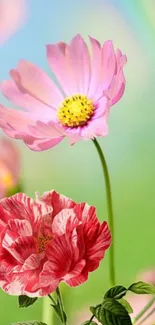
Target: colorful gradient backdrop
{"x": 129, "y": 148}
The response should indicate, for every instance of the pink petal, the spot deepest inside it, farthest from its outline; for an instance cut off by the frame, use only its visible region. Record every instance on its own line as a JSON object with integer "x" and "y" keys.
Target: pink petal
{"x": 20, "y": 227}
{"x": 19, "y": 283}
{"x": 37, "y": 83}
{"x": 65, "y": 221}
{"x": 96, "y": 128}
{"x": 57, "y": 201}
{"x": 5, "y": 216}
{"x": 34, "y": 288}
{"x": 16, "y": 121}
{"x": 23, "y": 207}
{"x": 32, "y": 262}
{"x": 108, "y": 63}
{"x": 21, "y": 248}
{"x": 77, "y": 280}
{"x": 80, "y": 59}
{"x": 103, "y": 68}
{"x": 73, "y": 139}
{"x": 12, "y": 16}
{"x": 41, "y": 144}
{"x": 69, "y": 278}
{"x": 26, "y": 101}
{"x": 86, "y": 213}
{"x": 46, "y": 130}
{"x": 57, "y": 59}
{"x": 37, "y": 136}
{"x": 60, "y": 256}
{"x": 96, "y": 247}
{"x": 95, "y": 69}
{"x": 102, "y": 108}
{"x": 7, "y": 263}
{"x": 117, "y": 86}
{"x": 71, "y": 65}
{"x": 49, "y": 275}
{"x": 10, "y": 156}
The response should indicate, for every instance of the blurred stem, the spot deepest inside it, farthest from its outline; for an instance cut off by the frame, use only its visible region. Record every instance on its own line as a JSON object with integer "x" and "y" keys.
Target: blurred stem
{"x": 147, "y": 316}
{"x": 110, "y": 210}
{"x": 61, "y": 306}
{"x": 144, "y": 310}
{"x": 91, "y": 319}
{"x": 47, "y": 312}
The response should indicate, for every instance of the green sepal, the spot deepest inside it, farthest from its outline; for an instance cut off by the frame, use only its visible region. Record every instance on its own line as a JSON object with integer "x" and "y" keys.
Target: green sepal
{"x": 25, "y": 301}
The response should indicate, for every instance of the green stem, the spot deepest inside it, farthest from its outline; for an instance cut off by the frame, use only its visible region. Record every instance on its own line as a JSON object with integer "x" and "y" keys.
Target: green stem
{"x": 91, "y": 319}
{"x": 110, "y": 210}
{"x": 144, "y": 310}
{"x": 147, "y": 316}
{"x": 61, "y": 306}
{"x": 52, "y": 299}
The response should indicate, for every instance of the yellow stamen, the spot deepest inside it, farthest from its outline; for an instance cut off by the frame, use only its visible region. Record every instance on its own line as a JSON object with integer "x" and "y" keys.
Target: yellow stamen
{"x": 42, "y": 242}
{"x": 6, "y": 179}
{"x": 75, "y": 111}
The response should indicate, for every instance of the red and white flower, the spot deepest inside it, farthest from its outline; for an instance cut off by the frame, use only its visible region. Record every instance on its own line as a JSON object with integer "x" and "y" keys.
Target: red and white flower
{"x": 46, "y": 241}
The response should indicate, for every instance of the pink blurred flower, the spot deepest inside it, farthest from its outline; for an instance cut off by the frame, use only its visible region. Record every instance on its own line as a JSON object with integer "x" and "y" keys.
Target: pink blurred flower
{"x": 82, "y": 316}
{"x": 12, "y": 15}
{"x": 90, "y": 85}
{"x": 46, "y": 241}
{"x": 140, "y": 301}
{"x": 9, "y": 166}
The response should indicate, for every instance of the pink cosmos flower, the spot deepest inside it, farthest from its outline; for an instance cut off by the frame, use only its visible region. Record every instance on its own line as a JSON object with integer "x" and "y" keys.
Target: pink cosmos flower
{"x": 46, "y": 241}
{"x": 12, "y": 15}
{"x": 78, "y": 109}
{"x": 9, "y": 166}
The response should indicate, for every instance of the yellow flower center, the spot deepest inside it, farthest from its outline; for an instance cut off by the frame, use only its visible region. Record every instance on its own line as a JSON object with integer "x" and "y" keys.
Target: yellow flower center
{"x": 75, "y": 111}
{"x": 42, "y": 242}
{"x": 6, "y": 177}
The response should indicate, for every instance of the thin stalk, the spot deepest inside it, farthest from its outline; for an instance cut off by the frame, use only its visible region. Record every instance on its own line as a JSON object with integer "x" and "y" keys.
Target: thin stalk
{"x": 110, "y": 210}
{"x": 144, "y": 310}
{"x": 147, "y": 316}
{"x": 91, "y": 319}
{"x": 61, "y": 306}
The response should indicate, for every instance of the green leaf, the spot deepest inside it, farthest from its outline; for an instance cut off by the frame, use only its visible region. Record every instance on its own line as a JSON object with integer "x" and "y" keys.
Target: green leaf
{"x": 111, "y": 319}
{"x": 114, "y": 307}
{"x": 30, "y": 322}
{"x": 116, "y": 292}
{"x": 106, "y": 317}
{"x": 126, "y": 305}
{"x": 25, "y": 301}
{"x": 142, "y": 288}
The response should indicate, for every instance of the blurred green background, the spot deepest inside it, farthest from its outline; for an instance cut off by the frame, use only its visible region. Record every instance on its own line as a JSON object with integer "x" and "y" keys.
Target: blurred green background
{"x": 129, "y": 148}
